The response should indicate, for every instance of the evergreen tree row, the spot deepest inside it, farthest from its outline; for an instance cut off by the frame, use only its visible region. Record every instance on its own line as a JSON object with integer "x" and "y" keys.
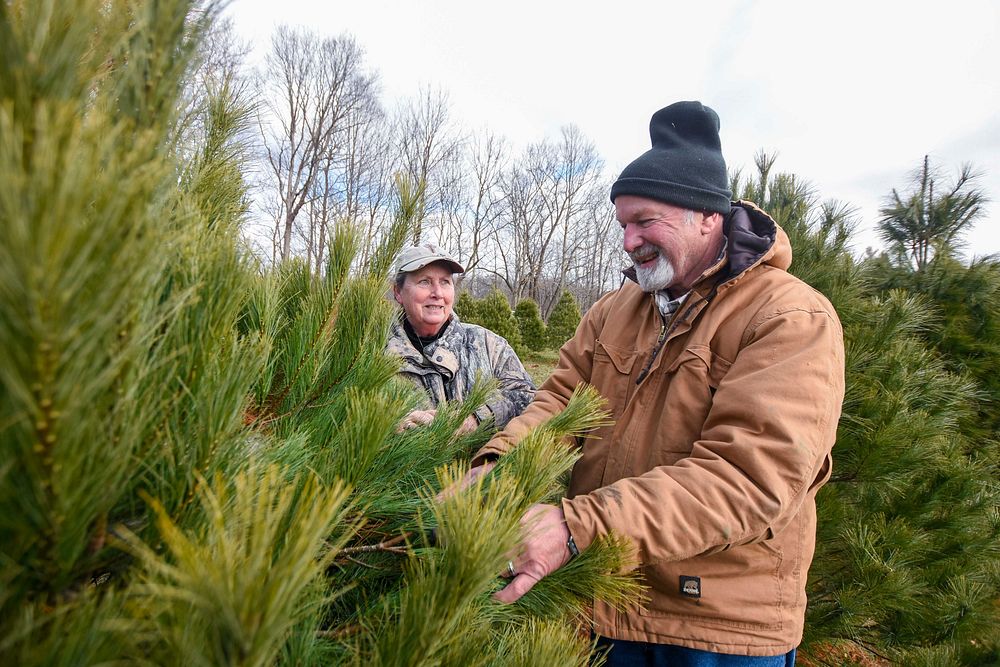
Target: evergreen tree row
{"x": 523, "y": 327}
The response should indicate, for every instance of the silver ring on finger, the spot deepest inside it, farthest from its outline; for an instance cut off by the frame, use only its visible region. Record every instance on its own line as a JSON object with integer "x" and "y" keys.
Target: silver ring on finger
{"x": 510, "y": 569}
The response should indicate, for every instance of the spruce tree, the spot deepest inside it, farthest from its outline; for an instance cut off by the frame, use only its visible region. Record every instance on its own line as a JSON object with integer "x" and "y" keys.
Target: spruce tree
{"x": 466, "y": 306}
{"x": 563, "y": 320}
{"x": 530, "y": 324}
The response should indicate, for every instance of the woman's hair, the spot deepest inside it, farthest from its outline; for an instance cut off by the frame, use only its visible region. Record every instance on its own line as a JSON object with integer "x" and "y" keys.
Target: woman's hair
{"x": 400, "y": 279}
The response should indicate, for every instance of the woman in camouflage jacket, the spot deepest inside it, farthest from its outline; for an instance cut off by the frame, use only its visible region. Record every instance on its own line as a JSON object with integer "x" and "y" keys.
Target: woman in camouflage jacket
{"x": 442, "y": 355}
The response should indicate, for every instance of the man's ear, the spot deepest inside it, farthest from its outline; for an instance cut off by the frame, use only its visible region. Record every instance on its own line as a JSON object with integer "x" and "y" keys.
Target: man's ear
{"x": 710, "y": 221}
{"x": 395, "y": 294}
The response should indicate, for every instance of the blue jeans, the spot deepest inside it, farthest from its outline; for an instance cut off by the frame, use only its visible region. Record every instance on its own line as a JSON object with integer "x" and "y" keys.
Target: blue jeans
{"x": 641, "y": 654}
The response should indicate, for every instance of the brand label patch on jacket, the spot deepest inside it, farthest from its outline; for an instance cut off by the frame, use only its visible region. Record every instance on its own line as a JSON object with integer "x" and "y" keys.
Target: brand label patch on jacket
{"x": 690, "y": 586}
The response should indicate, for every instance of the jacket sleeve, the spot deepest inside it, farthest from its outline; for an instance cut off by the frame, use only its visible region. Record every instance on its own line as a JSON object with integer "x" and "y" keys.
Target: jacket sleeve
{"x": 515, "y": 388}
{"x": 575, "y": 364}
{"x": 764, "y": 446}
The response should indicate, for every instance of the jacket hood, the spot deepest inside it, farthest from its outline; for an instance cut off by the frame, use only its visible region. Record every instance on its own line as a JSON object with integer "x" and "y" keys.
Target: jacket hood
{"x": 752, "y": 238}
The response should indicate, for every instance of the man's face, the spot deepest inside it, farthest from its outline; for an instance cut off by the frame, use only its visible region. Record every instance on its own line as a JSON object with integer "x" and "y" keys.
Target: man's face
{"x": 667, "y": 243}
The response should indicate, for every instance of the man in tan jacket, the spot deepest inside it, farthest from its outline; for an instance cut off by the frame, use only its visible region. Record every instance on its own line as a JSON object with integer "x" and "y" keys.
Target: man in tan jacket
{"x": 725, "y": 377}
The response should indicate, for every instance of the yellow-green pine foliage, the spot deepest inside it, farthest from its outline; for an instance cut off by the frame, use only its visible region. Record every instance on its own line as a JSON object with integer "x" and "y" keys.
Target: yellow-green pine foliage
{"x": 91, "y": 218}
{"x": 199, "y": 456}
{"x": 230, "y": 591}
{"x": 443, "y": 614}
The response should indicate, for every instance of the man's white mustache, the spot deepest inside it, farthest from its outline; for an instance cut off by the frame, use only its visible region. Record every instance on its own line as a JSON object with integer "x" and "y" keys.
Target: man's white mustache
{"x": 644, "y": 254}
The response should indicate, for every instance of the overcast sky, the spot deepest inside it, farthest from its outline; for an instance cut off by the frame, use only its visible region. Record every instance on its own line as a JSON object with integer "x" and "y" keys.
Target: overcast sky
{"x": 851, "y": 95}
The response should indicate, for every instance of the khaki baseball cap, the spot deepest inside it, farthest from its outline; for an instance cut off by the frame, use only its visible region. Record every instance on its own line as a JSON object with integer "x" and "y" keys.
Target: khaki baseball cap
{"x": 418, "y": 256}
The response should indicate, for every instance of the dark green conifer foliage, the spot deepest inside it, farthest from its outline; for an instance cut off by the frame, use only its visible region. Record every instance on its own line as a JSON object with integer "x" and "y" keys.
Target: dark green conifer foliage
{"x": 531, "y": 325}
{"x": 563, "y": 321}
{"x": 493, "y": 312}
{"x": 199, "y": 461}
{"x": 964, "y": 299}
{"x": 467, "y": 308}
{"x": 932, "y": 217}
{"x": 908, "y": 521}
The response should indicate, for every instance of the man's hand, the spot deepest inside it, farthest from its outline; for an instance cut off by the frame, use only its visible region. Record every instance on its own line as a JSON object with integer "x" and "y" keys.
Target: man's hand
{"x": 416, "y": 418}
{"x": 543, "y": 551}
{"x": 467, "y": 481}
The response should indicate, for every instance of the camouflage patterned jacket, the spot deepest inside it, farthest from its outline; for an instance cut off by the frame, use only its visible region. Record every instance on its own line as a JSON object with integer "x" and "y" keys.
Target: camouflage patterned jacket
{"x": 447, "y": 368}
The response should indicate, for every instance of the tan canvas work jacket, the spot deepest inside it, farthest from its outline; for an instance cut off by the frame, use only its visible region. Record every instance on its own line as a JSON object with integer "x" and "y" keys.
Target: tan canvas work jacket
{"x": 724, "y": 421}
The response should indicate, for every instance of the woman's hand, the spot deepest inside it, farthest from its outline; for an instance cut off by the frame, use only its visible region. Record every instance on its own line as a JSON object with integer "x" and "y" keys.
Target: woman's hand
{"x": 468, "y": 426}
{"x": 416, "y": 418}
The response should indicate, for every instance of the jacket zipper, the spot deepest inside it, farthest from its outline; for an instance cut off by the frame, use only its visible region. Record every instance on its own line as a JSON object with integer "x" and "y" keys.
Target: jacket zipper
{"x": 665, "y": 333}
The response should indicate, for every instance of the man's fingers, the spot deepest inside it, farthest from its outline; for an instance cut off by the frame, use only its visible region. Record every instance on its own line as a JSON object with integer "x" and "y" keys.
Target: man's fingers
{"x": 464, "y": 483}
{"x": 517, "y": 587}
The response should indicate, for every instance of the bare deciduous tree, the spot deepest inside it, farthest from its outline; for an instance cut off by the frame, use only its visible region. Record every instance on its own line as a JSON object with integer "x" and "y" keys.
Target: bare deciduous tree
{"x": 600, "y": 254}
{"x": 471, "y": 199}
{"x": 428, "y": 143}
{"x": 550, "y": 192}
{"x": 535, "y": 225}
{"x": 312, "y": 88}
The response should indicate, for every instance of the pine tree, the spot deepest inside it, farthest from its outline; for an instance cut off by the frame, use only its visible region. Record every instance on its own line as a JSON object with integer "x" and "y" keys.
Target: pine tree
{"x": 563, "y": 320}
{"x": 493, "y": 312}
{"x": 965, "y": 302}
{"x": 925, "y": 222}
{"x": 530, "y": 324}
{"x": 466, "y": 306}
{"x": 909, "y": 518}
{"x": 199, "y": 461}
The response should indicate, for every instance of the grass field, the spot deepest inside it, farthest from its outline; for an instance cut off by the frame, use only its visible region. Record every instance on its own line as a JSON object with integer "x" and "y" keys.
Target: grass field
{"x": 540, "y": 364}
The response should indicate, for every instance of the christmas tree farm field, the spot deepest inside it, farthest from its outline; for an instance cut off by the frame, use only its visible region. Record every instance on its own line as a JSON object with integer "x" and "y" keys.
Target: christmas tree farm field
{"x": 540, "y": 364}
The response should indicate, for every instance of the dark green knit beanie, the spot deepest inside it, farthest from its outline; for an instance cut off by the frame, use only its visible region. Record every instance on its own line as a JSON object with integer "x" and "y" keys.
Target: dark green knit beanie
{"x": 685, "y": 166}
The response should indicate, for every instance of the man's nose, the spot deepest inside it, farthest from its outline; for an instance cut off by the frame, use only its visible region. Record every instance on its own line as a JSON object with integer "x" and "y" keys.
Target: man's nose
{"x": 631, "y": 239}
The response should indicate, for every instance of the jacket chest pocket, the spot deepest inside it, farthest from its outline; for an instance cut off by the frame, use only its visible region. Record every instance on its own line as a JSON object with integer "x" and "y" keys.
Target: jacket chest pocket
{"x": 678, "y": 401}
{"x": 612, "y": 375}
{"x": 700, "y": 365}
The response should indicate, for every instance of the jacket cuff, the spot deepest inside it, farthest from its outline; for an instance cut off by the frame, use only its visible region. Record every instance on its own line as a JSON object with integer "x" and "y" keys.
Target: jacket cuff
{"x": 491, "y": 451}
{"x": 582, "y": 527}
{"x": 483, "y": 413}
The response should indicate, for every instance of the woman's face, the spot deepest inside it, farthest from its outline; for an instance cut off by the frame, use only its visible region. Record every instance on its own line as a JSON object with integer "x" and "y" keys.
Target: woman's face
{"x": 427, "y": 297}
